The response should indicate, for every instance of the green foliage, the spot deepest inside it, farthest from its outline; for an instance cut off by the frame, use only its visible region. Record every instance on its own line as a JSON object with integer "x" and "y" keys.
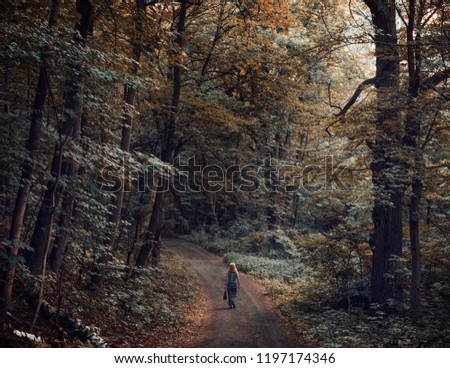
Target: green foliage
{"x": 264, "y": 267}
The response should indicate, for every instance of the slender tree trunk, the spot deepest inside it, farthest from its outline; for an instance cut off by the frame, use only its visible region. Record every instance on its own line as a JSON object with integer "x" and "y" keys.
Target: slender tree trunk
{"x": 414, "y": 233}
{"x": 386, "y": 239}
{"x": 210, "y": 194}
{"x": 58, "y": 250}
{"x": 6, "y": 283}
{"x": 130, "y": 93}
{"x": 70, "y": 129}
{"x": 220, "y": 30}
{"x": 59, "y": 245}
{"x": 152, "y": 243}
{"x": 127, "y": 123}
{"x": 273, "y": 198}
{"x": 295, "y": 210}
{"x": 145, "y": 213}
{"x": 111, "y": 245}
{"x": 413, "y": 129}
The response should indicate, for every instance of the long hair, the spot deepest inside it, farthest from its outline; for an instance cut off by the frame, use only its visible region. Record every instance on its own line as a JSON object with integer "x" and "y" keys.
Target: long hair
{"x": 232, "y": 267}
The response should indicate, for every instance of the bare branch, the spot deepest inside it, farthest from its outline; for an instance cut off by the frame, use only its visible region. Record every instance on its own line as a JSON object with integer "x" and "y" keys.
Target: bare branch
{"x": 431, "y": 15}
{"x": 400, "y": 15}
{"x": 430, "y": 131}
{"x": 340, "y": 115}
{"x": 339, "y": 120}
{"x": 436, "y": 79}
{"x": 440, "y": 93}
{"x": 356, "y": 94}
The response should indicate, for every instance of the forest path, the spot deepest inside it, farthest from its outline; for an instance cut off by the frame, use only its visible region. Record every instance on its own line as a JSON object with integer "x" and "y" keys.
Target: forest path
{"x": 254, "y": 323}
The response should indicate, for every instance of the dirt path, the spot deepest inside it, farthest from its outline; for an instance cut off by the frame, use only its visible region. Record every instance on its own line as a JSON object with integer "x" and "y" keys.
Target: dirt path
{"x": 254, "y": 323}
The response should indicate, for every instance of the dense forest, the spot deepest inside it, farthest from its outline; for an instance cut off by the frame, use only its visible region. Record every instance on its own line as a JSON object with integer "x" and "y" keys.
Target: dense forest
{"x": 308, "y": 141}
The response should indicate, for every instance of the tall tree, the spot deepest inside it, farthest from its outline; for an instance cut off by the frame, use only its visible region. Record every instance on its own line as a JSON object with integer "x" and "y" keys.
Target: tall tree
{"x": 152, "y": 243}
{"x": 70, "y": 129}
{"x": 7, "y": 280}
{"x": 411, "y": 139}
{"x": 420, "y": 18}
{"x": 127, "y": 123}
{"x": 387, "y": 171}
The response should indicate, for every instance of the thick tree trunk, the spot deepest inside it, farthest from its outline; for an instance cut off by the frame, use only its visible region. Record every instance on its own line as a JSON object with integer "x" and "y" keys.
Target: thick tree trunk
{"x": 387, "y": 169}
{"x": 152, "y": 243}
{"x": 41, "y": 235}
{"x": 71, "y": 128}
{"x": 386, "y": 242}
{"x": 6, "y": 283}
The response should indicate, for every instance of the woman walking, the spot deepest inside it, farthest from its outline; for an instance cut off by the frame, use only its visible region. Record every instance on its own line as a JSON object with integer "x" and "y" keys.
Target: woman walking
{"x": 232, "y": 284}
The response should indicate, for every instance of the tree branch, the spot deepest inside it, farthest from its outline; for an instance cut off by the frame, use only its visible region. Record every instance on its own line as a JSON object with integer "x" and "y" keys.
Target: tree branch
{"x": 356, "y": 94}
{"x": 436, "y": 79}
{"x": 340, "y": 115}
{"x": 440, "y": 93}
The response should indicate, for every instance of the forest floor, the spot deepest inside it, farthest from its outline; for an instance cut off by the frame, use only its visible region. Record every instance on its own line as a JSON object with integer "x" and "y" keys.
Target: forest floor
{"x": 180, "y": 304}
{"x": 255, "y": 322}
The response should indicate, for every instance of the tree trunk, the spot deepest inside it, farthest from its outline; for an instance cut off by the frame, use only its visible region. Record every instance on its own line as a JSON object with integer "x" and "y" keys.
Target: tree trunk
{"x": 414, "y": 233}
{"x": 127, "y": 123}
{"x": 130, "y": 94}
{"x": 145, "y": 213}
{"x": 40, "y": 296}
{"x": 273, "y": 197}
{"x": 6, "y": 283}
{"x": 295, "y": 206}
{"x": 210, "y": 194}
{"x": 58, "y": 250}
{"x": 59, "y": 245}
{"x": 71, "y": 128}
{"x": 152, "y": 242}
{"x": 387, "y": 169}
{"x": 413, "y": 129}
{"x": 111, "y": 245}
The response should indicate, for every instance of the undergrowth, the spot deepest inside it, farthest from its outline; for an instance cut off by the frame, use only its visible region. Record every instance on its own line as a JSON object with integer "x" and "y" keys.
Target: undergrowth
{"x": 145, "y": 311}
{"x": 149, "y": 310}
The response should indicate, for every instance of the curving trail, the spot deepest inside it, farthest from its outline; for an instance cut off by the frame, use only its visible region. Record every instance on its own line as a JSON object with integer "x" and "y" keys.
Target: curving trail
{"x": 255, "y": 323}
